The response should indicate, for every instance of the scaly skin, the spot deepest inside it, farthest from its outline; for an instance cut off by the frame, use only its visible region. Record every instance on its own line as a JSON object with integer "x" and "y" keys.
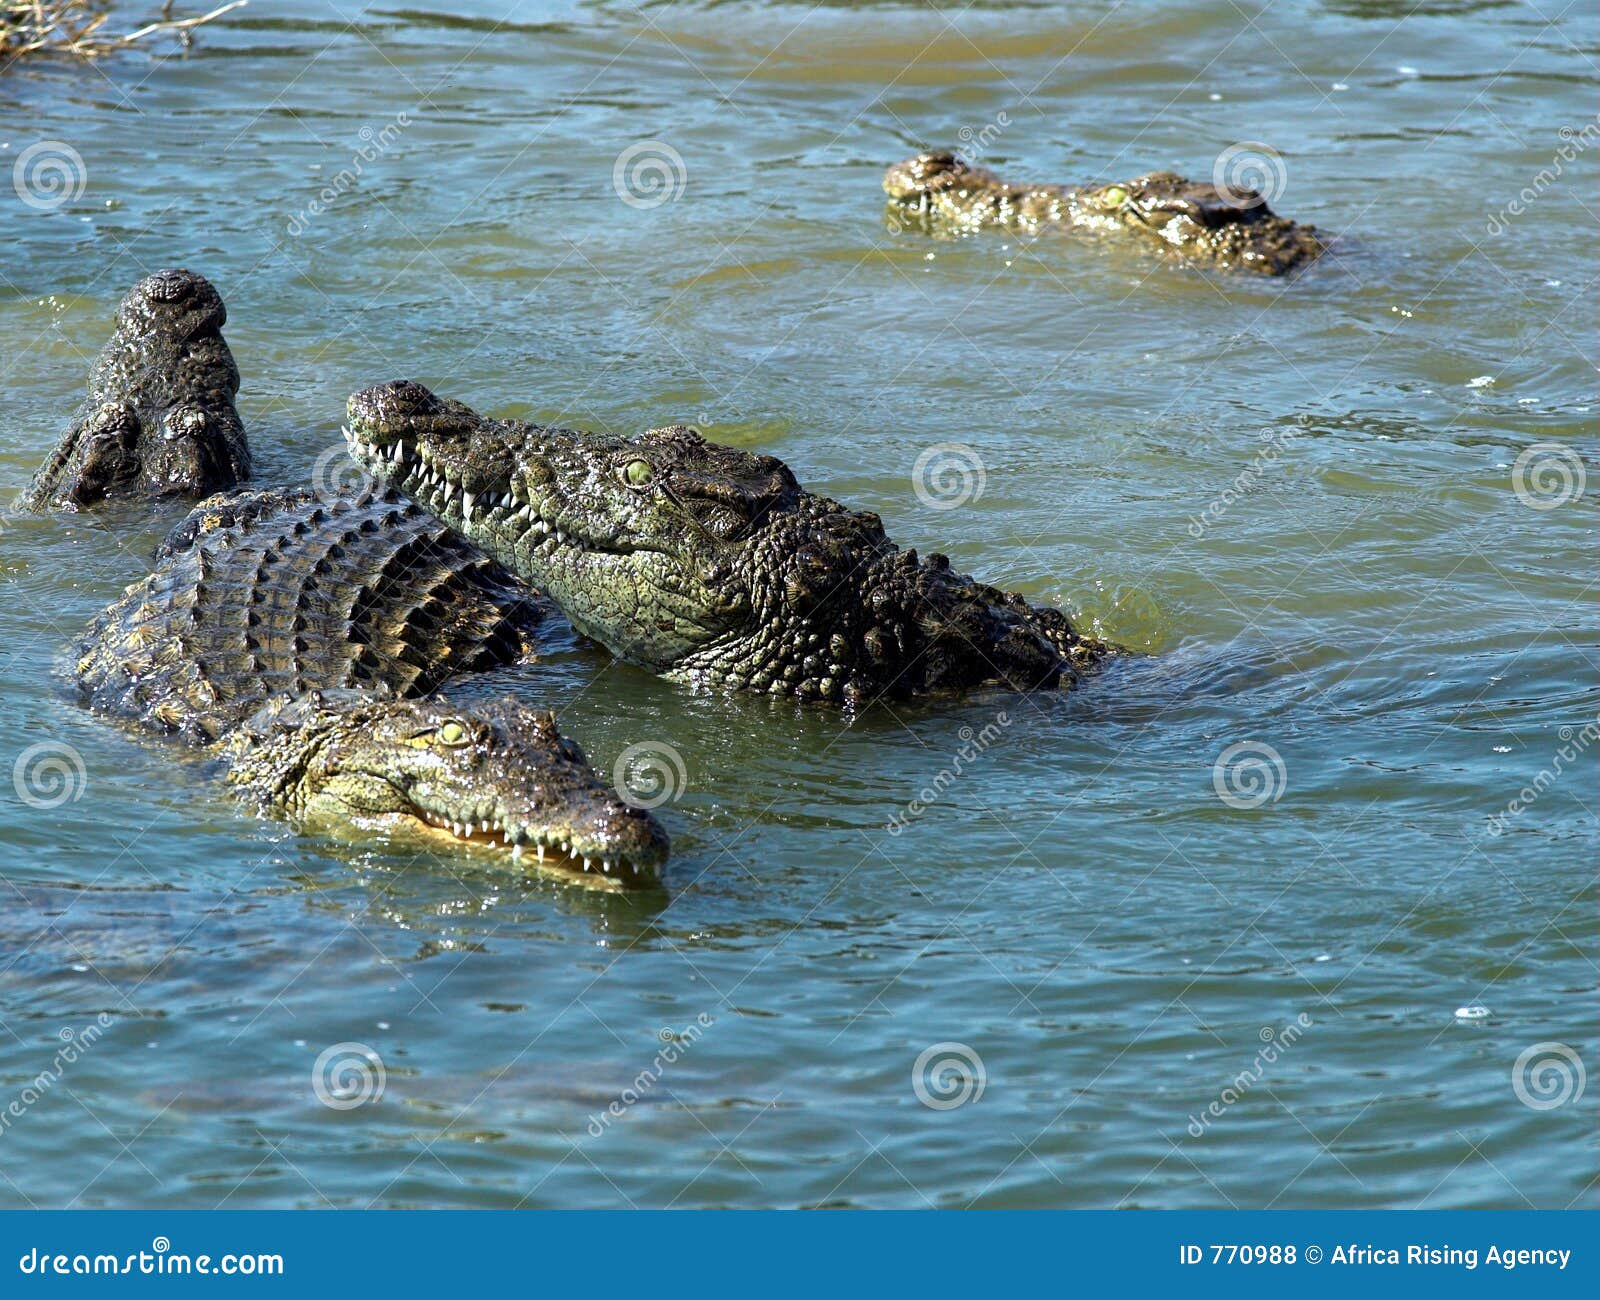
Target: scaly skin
{"x": 159, "y": 420}
{"x": 294, "y": 638}
{"x": 708, "y": 564}
{"x": 1190, "y": 220}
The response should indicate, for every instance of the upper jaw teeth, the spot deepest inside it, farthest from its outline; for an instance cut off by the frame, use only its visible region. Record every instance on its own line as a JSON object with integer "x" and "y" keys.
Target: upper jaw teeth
{"x": 517, "y": 840}
{"x": 422, "y": 478}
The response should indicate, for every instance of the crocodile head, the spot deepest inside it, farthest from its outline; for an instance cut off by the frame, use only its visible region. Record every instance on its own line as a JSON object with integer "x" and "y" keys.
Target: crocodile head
{"x": 699, "y": 561}
{"x": 640, "y": 543}
{"x": 1200, "y": 222}
{"x": 1194, "y": 220}
{"x": 496, "y": 774}
{"x": 160, "y": 419}
{"x": 931, "y": 173}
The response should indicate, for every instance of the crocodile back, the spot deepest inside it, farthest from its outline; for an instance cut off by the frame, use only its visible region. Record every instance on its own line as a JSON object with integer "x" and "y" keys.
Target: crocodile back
{"x": 258, "y": 594}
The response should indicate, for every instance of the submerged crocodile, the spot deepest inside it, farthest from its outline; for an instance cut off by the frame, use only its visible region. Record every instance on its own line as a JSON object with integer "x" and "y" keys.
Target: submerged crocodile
{"x": 159, "y": 419}
{"x": 1192, "y": 220}
{"x": 706, "y": 563}
{"x": 299, "y": 641}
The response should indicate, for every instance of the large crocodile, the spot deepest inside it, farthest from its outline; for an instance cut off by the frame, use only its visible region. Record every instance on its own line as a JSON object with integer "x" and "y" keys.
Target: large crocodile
{"x": 706, "y": 563}
{"x": 1191, "y": 220}
{"x": 300, "y": 640}
{"x": 159, "y": 419}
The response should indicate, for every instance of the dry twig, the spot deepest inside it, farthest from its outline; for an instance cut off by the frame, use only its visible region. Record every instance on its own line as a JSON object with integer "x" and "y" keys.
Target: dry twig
{"x": 73, "y": 27}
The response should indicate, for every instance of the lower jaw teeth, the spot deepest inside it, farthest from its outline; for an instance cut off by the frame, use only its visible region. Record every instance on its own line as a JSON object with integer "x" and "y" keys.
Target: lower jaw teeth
{"x": 466, "y": 831}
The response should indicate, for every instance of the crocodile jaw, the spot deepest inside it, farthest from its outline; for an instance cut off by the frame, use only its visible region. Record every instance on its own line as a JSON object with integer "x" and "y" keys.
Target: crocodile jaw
{"x": 590, "y": 571}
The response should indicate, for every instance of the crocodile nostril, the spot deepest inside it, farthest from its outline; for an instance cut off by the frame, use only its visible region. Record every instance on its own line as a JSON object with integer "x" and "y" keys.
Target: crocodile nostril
{"x": 183, "y": 424}
{"x": 402, "y": 396}
{"x": 169, "y": 286}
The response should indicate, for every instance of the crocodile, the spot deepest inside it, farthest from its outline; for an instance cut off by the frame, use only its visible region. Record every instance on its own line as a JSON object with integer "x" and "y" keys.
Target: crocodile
{"x": 709, "y": 564}
{"x": 302, "y": 641}
{"x": 1224, "y": 228}
{"x": 159, "y": 419}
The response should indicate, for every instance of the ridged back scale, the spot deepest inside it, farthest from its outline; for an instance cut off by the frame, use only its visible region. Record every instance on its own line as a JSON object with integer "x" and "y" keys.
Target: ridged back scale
{"x": 258, "y": 594}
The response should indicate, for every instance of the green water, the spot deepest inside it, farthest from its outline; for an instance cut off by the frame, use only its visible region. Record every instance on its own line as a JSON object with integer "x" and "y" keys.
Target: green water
{"x": 1402, "y": 640}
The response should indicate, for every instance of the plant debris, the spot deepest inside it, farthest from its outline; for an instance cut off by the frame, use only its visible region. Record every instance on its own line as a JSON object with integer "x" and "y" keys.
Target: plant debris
{"x": 76, "y": 28}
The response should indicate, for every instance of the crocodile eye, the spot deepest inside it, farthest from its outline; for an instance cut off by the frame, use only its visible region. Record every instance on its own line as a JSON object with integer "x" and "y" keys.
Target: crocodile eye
{"x": 636, "y": 473}
{"x": 1114, "y": 196}
{"x": 452, "y": 734}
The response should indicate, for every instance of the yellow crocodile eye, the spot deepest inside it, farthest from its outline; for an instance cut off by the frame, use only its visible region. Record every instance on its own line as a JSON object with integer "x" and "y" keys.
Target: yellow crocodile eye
{"x": 1114, "y": 196}
{"x": 638, "y": 472}
{"x": 452, "y": 733}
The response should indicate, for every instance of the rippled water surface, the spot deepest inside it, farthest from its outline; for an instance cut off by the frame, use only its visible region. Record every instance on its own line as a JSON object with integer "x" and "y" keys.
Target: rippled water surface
{"x": 1300, "y": 498}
